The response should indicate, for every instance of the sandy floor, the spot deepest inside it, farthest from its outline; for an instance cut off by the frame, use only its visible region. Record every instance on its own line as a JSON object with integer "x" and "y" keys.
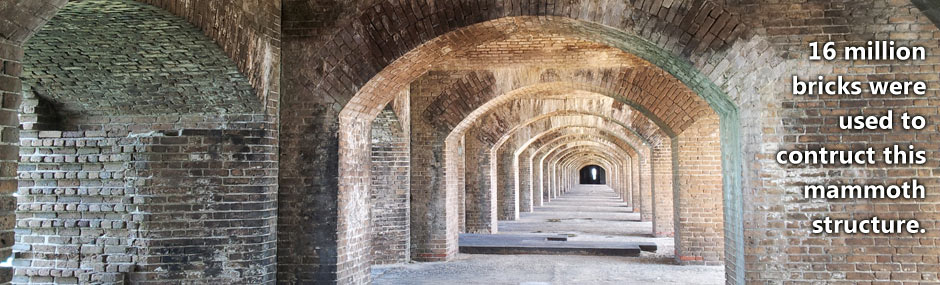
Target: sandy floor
{"x": 587, "y": 213}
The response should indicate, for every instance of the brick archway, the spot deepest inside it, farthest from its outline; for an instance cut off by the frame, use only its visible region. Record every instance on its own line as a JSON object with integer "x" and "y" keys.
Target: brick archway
{"x": 358, "y": 109}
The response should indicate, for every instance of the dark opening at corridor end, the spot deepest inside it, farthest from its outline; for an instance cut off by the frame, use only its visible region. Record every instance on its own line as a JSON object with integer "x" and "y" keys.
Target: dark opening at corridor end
{"x": 593, "y": 174}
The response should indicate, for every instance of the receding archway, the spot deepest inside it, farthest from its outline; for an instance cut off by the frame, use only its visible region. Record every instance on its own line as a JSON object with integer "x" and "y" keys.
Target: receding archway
{"x": 593, "y": 174}
{"x": 439, "y": 242}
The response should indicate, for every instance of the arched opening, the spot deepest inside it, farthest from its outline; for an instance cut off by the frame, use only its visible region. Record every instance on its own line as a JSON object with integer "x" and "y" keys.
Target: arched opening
{"x": 454, "y": 173}
{"x": 593, "y": 174}
{"x": 390, "y": 197}
{"x": 312, "y": 213}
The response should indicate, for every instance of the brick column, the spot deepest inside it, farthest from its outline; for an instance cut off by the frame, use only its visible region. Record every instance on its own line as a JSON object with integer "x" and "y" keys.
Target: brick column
{"x": 626, "y": 183}
{"x": 508, "y": 195}
{"x": 390, "y": 214}
{"x": 699, "y": 236}
{"x": 542, "y": 177}
{"x": 535, "y": 180}
{"x": 662, "y": 190}
{"x": 10, "y": 86}
{"x": 434, "y": 224}
{"x": 523, "y": 181}
{"x": 646, "y": 190}
{"x": 460, "y": 165}
{"x": 635, "y": 183}
{"x": 481, "y": 199}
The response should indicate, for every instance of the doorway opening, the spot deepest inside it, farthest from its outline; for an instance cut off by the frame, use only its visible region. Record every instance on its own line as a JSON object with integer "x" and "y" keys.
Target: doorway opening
{"x": 593, "y": 174}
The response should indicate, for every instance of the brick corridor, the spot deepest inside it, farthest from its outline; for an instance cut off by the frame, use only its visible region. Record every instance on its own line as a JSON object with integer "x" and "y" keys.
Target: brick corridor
{"x": 590, "y": 213}
{"x": 306, "y": 141}
{"x": 585, "y": 213}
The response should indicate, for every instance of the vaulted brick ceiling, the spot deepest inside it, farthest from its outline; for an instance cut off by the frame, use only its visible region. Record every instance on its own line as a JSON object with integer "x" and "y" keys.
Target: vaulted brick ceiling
{"x": 541, "y": 50}
{"x": 124, "y": 57}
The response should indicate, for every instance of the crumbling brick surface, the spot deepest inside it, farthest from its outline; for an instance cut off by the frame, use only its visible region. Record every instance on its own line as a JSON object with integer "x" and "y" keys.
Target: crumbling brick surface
{"x": 99, "y": 206}
{"x": 170, "y": 174}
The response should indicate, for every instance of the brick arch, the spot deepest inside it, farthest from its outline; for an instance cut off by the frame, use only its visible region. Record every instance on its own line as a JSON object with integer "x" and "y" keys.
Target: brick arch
{"x": 534, "y": 120}
{"x": 618, "y": 175}
{"x": 567, "y": 140}
{"x": 569, "y": 155}
{"x": 537, "y": 91}
{"x": 553, "y": 134}
{"x": 514, "y": 115}
{"x": 558, "y": 149}
{"x": 579, "y": 120}
{"x": 629, "y": 87}
{"x": 614, "y": 177}
{"x": 642, "y": 162}
{"x": 249, "y": 33}
{"x": 328, "y": 90}
{"x": 257, "y": 59}
{"x": 635, "y": 144}
{"x": 616, "y": 170}
{"x": 140, "y": 76}
{"x": 384, "y": 45}
{"x": 501, "y": 102}
{"x": 645, "y": 188}
{"x": 584, "y": 156}
{"x": 519, "y": 151}
{"x": 560, "y": 181}
{"x": 579, "y": 163}
{"x": 566, "y": 151}
{"x": 33, "y": 15}
{"x": 510, "y": 194}
{"x": 500, "y": 205}
{"x": 576, "y": 161}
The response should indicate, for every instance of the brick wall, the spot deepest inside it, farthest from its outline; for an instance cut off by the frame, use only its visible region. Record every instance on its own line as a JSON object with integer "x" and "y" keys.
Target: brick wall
{"x": 705, "y": 42}
{"x": 537, "y": 180}
{"x": 635, "y": 181}
{"x": 210, "y": 199}
{"x": 98, "y": 206}
{"x": 777, "y": 208}
{"x": 461, "y": 166}
{"x": 175, "y": 159}
{"x": 77, "y": 217}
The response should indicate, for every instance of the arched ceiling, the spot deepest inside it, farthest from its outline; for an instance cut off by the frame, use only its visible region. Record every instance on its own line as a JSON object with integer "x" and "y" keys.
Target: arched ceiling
{"x": 130, "y": 58}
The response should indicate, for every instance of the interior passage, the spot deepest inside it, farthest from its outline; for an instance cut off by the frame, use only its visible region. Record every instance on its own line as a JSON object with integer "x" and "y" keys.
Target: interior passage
{"x": 339, "y": 142}
{"x": 593, "y": 174}
{"x": 586, "y": 213}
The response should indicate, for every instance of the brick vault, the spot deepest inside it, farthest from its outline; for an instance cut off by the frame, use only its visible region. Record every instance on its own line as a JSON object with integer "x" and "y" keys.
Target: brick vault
{"x": 296, "y": 142}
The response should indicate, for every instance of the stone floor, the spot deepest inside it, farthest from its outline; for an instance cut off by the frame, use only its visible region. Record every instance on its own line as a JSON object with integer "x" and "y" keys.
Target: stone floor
{"x": 590, "y": 213}
{"x": 586, "y": 213}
